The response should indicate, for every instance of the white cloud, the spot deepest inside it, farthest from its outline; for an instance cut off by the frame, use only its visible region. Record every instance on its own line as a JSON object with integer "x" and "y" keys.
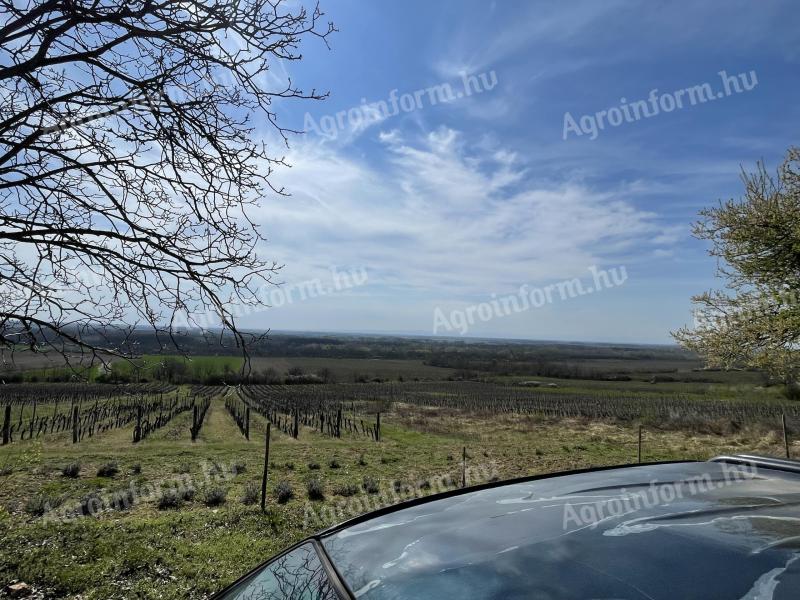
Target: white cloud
{"x": 444, "y": 218}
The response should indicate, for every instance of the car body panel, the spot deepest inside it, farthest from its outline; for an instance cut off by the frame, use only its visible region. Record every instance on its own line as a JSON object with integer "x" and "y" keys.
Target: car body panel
{"x": 679, "y": 530}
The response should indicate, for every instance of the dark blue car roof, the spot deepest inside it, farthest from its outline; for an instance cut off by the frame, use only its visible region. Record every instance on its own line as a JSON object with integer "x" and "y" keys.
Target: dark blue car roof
{"x": 723, "y": 529}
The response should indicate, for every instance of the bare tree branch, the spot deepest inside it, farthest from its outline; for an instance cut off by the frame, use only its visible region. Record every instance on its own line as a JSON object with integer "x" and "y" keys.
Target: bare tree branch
{"x": 129, "y": 161}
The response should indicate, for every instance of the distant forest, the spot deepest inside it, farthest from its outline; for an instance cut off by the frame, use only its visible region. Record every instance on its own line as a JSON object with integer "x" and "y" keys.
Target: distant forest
{"x": 449, "y": 352}
{"x": 468, "y": 358}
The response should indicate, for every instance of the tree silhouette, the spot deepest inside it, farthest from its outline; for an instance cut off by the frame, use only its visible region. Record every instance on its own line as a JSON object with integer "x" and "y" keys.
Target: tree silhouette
{"x": 129, "y": 161}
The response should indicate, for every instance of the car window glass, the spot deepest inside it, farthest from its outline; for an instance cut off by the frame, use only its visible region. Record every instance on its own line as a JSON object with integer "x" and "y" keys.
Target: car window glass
{"x": 298, "y": 575}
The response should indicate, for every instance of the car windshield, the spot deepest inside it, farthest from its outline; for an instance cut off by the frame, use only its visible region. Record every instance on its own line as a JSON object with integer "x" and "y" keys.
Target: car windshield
{"x": 298, "y": 574}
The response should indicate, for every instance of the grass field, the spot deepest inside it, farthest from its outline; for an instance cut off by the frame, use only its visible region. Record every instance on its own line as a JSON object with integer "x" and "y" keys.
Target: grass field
{"x": 193, "y": 548}
{"x": 349, "y": 369}
{"x": 39, "y": 368}
{"x": 736, "y": 386}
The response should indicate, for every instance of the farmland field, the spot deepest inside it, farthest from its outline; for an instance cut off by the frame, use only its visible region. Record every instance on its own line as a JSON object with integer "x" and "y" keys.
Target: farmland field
{"x": 172, "y": 517}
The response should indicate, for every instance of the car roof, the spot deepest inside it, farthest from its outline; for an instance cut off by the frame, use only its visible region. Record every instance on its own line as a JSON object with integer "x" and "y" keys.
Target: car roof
{"x": 729, "y": 527}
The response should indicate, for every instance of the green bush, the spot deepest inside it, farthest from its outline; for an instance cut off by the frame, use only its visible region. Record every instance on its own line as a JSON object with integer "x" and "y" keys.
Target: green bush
{"x": 38, "y": 505}
{"x": 348, "y": 489}
{"x": 252, "y": 493}
{"x": 214, "y": 496}
{"x": 169, "y": 499}
{"x": 371, "y": 485}
{"x": 284, "y": 492}
{"x": 315, "y": 490}
{"x": 72, "y": 470}
{"x": 108, "y": 470}
{"x": 122, "y": 499}
{"x": 91, "y": 504}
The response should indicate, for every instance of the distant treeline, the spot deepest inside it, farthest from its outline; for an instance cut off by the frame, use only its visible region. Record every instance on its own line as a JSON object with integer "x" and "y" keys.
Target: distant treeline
{"x": 216, "y": 363}
{"x": 388, "y": 347}
{"x": 471, "y": 368}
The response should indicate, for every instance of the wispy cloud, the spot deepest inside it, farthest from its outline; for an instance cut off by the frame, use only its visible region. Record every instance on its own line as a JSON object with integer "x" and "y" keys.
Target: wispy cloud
{"x": 554, "y": 37}
{"x": 529, "y": 24}
{"x": 439, "y": 215}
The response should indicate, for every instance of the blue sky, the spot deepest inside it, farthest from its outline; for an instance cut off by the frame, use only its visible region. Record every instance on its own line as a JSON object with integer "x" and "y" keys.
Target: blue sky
{"x": 451, "y": 204}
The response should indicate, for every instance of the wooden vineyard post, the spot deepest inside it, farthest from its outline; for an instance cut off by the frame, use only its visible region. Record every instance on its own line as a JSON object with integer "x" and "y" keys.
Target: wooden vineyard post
{"x": 296, "y": 427}
{"x": 266, "y": 472}
{"x": 33, "y": 420}
{"x": 247, "y": 424}
{"x": 640, "y": 444}
{"x": 339, "y": 422}
{"x": 194, "y": 422}
{"x": 137, "y": 431}
{"x": 7, "y": 425}
{"x": 378, "y": 428}
{"x": 785, "y": 435}
{"x": 74, "y": 424}
{"x": 464, "y": 467}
